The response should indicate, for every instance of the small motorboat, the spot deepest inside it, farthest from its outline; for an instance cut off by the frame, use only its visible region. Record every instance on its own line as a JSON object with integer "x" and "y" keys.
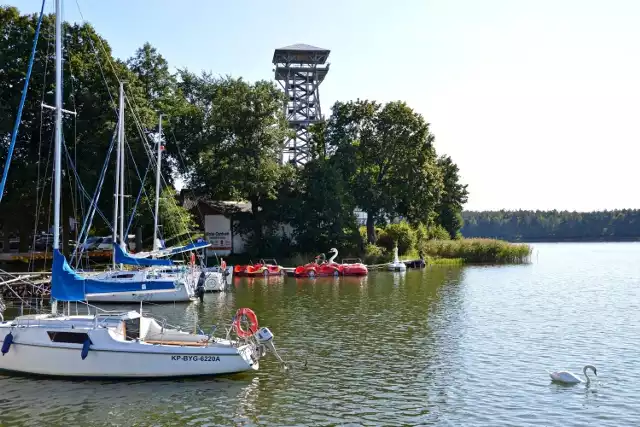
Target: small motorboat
{"x": 396, "y": 265}
{"x": 266, "y": 267}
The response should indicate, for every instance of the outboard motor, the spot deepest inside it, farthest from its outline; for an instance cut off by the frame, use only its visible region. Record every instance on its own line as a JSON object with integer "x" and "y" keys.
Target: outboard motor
{"x": 265, "y": 338}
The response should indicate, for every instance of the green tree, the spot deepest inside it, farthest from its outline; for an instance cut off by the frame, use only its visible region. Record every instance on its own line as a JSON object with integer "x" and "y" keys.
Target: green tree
{"x": 178, "y": 225}
{"x": 388, "y": 156}
{"x": 233, "y": 141}
{"x": 325, "y": 209}
{"x": 454, "y": 196}
{"x": 90, "y": 88}
{"x": 152, "y": 70}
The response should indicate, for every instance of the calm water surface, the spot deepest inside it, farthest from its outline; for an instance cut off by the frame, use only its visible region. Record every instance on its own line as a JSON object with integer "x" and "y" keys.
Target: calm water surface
{"x": 441, "y": 346}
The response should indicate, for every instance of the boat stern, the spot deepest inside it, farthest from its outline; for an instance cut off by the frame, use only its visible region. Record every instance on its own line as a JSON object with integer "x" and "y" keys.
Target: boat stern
{"x": 250, "y": 353}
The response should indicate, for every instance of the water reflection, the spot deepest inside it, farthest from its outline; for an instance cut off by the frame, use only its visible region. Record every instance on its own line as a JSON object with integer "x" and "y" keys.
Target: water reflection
{"x": 461, "y": 346}
{"x": 56, "y": 402}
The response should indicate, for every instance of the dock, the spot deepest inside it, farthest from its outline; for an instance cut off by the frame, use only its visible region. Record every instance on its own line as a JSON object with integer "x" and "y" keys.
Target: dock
{"x": 23, "y": 285}
{"x": 47, "y": 255}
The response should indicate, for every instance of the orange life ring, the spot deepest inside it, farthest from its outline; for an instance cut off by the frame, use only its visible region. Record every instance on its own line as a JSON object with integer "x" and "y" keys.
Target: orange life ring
{"x": 253, "y": 319}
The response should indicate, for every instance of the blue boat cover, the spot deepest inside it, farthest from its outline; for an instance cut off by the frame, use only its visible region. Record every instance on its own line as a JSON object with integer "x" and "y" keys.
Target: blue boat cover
{"x": 67, "y": 285}
{"x": 190, "y": 247}
{"x": 124, "y": 258}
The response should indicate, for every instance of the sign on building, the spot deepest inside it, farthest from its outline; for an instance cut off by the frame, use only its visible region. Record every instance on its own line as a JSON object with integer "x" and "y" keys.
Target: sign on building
{"x": 217, "y": 230}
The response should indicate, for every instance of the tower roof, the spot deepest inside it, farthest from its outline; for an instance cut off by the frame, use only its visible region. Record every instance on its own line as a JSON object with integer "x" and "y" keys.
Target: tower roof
{"x": 301, "y": 53}
{"x": 302, "y": 46}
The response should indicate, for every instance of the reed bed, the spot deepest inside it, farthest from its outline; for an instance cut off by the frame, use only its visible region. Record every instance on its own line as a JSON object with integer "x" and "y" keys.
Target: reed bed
{"x": 478, "y": 251}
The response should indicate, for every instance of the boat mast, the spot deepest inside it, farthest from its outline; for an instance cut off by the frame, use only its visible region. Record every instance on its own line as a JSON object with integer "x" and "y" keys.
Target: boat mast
{"x": 57, "y": 156}
{"x": 115, "y": 195}
{"x": 155, "y": 221}
{"x": 122, "y": 154}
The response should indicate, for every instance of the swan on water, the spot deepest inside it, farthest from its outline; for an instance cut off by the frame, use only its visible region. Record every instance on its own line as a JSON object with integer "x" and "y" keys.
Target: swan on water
{"x": 570, "y": 378}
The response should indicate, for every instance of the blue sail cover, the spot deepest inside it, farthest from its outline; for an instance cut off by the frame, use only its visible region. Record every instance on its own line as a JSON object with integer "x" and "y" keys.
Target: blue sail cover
{"x": 124, "y": 258}
{"x": 67, "y": 285}
{"x": 186, "y": 248}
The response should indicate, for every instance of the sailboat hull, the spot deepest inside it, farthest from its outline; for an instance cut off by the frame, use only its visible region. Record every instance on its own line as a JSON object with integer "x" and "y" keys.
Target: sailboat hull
{"x": 178, "y": 295}
{"x": 148, "y": 285}
{"x": 32, "y": 352}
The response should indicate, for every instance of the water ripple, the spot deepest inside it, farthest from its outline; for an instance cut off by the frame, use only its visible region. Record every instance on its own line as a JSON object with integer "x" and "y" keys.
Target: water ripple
{"x": 442, "y": 346}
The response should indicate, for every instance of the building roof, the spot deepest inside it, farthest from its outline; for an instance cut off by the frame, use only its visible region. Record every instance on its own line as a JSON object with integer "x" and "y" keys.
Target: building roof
{"x": 222, "y": 207}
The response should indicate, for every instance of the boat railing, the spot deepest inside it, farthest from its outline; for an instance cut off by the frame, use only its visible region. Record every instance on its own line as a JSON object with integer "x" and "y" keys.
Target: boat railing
{"x": 227, "y": 327}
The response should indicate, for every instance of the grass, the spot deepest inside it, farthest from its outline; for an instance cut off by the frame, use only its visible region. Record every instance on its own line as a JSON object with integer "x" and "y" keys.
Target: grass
{"x": 477, "y": 251}
{"x": 444, "y": 261}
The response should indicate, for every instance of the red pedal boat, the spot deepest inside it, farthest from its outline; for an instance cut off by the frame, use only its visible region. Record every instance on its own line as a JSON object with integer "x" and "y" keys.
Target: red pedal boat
{"x": 349, "y": 267}
{"x": 266, "y": 267}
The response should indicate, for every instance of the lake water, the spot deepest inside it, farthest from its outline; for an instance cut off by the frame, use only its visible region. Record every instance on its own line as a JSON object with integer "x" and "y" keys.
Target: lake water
{"x": 440, "y": 346}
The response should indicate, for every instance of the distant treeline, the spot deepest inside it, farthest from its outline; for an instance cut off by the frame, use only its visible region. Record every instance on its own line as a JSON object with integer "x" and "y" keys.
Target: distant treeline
{"x": 532, "y": 226}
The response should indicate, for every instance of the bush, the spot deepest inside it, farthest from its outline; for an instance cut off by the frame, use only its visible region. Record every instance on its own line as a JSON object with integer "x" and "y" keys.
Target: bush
{"x": 363, "y": 232}
{"x": 437, "y": 232}
{"x": 374, "y": 254}
{"x": 401, "y": 234}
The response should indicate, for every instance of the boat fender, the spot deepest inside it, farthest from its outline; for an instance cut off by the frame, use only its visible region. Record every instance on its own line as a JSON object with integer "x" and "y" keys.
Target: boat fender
{"x": 7, "y": 343}
{"x": 85, "y": 348}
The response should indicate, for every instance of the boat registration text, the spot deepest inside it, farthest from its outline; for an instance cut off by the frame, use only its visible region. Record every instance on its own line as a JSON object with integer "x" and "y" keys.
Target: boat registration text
{"x": 196, "y": 358}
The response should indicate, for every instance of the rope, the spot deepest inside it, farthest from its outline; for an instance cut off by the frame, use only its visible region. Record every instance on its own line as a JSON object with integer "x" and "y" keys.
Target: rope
{"x": 80, "y": 186}
{"x": 16, "y": 125}
{"x": 132, "y": 109}
{"x": 40, "y": 190}
{"x": 88, "y": 220}
{"x": 142, "y": 189}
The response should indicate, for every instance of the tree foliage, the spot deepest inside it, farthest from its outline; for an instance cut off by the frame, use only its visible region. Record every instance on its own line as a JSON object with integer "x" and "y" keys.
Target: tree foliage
{"x": 388, "y": 156}
{"x": 90, "y": 88}
{"x": 454, "y": 196}
{"x": 178, "y": 225}
{"x": 223, "y": 136}
{"x": 553, "y": 225}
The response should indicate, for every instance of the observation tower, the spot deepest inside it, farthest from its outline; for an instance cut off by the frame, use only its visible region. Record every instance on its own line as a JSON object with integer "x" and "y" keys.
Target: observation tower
{"x": 300, "y": 68}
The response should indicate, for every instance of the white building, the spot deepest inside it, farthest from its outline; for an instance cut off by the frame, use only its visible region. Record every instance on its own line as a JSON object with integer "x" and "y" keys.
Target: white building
{"x": 219, "y": 220}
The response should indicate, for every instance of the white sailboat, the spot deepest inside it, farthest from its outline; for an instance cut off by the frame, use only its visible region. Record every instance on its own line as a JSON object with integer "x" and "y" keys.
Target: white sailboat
{"x": 154, "y": 267}
{"x": 150, "y": 283}
{"x": 115, "y": 345}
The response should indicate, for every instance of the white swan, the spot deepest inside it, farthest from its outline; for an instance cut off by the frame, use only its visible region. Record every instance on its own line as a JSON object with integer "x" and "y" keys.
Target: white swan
{"x": 569, "y": 378}
{"x": 335, "y": 254}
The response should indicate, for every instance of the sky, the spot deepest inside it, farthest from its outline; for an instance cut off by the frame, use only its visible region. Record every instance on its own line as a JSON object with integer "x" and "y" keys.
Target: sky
{"x": 537, "y": 101}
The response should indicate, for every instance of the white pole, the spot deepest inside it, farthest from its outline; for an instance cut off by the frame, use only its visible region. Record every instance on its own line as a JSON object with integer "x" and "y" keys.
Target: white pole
{"x": 57, "y": 156}
{"x": 117, "y": 173}
{"x": 122, "y": 155}
{"x": 158, "y": 172}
